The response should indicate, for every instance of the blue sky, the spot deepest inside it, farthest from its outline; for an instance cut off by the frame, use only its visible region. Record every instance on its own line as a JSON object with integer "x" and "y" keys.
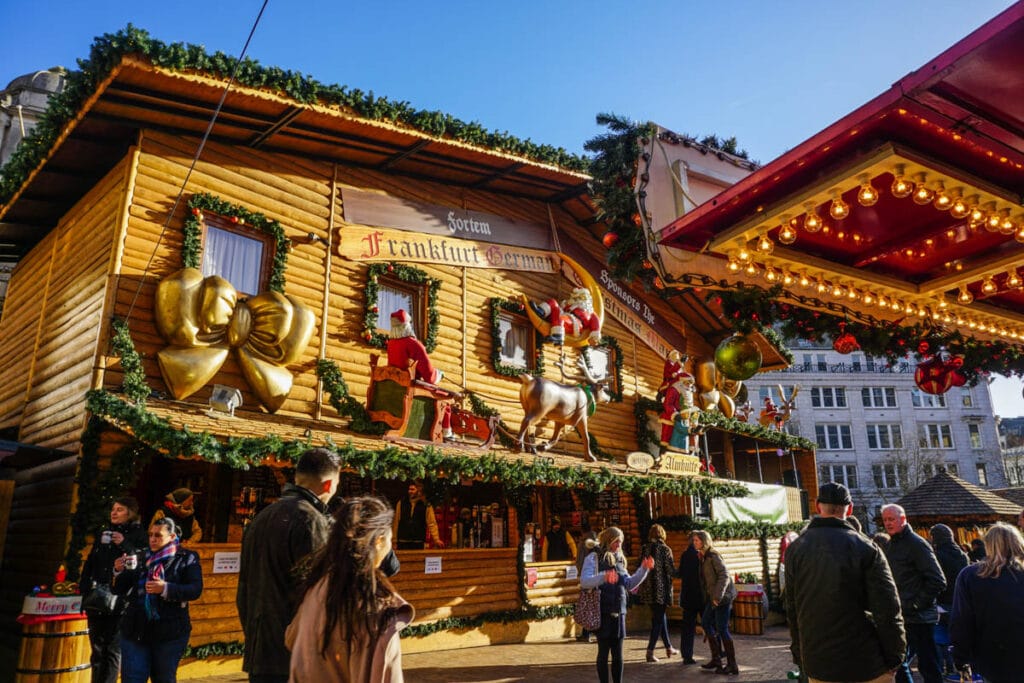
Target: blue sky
{"x": 770, "y": 73}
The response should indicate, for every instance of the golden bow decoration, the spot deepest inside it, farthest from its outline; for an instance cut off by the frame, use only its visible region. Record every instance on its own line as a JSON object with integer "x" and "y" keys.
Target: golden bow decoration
{"x": 202, "y": 320}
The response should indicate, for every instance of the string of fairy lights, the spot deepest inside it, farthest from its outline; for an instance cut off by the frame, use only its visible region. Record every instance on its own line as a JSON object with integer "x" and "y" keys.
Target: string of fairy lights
{"x": 752, "y": 254}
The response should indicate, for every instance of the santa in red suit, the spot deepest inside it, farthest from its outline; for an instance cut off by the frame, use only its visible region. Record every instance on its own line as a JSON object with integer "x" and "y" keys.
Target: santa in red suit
{"x": 574, "y": 316}
{"x": 403, "y": 346}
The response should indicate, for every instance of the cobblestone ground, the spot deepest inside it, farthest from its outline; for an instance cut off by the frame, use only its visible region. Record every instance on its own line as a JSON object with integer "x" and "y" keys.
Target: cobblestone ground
{"x": 762, "y": 659}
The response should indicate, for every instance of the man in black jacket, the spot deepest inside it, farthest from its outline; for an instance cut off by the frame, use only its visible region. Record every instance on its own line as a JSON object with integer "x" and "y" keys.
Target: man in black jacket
{"x": 274, "y": 544}
{"x": 920, "y": 581}
{"x": 691, "y": 598}
{"x": 841, "y": 600}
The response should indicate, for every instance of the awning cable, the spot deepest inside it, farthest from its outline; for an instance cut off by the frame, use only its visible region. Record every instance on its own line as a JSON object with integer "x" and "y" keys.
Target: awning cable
{"x": 195, "y": 159}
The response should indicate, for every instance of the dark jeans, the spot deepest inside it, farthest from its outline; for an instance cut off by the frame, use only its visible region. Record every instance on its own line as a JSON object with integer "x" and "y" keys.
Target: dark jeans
{"x": 605, "y": 646}
{"x": 105, "y": 643}
{"x": 920, "y": 640}
{"x": 689, "y": 629}
{"x": 716, "y": 620}
{"x": 659, "y": 627}
{"x": 141, "y": 661}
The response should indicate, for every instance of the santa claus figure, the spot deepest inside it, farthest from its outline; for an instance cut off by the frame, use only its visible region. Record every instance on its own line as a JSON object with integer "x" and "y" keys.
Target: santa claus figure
{"x": 403, "y": 346}
{"x": 678, "y": 413}
{"x": 672, "y": 371}
{"x": 574, "y": 316}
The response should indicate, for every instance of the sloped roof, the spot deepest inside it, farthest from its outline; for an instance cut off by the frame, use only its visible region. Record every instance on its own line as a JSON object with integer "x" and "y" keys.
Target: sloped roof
{"x": 1014, "y": 495}
{"x": 945, "y": 495}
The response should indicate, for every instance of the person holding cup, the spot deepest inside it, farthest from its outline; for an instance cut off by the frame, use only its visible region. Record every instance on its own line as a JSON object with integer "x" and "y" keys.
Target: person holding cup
{"x": 123, "y": 535}
{"x": 156, "y": 625}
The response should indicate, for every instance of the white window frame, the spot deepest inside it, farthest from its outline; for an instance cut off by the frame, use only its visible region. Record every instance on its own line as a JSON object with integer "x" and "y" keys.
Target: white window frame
{"x": 922, "y": 399}
{"x": 833, "y": 436}
{"x": 841, "y": 473}
{"x": 966, "y": 397}
{"x": 887, "y": 436}
{"x": 878, "y": 397}
{"x": 982, "y": 471}
{"x": 885, "y": 475}
{"x": 974, "y": 434}
{"x": 239, "y": 254}
{"x": 513, "y": 330}
{"x": 935, "y": 435}
{"x": 828, "y": 397}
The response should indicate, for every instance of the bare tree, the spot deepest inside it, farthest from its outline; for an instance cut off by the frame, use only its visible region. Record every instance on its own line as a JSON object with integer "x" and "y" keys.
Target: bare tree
{"x": 912, "y": 465}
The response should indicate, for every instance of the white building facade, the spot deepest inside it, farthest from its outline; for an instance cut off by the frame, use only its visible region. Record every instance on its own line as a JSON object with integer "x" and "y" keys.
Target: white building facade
{"x": 876, "y": 432}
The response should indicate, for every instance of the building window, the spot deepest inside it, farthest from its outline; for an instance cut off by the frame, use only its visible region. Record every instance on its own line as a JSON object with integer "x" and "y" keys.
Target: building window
{"x": 514, "y": 342}
{"x": 885, "y": 475}
{"x": 605, "y": 361}
{"x": 878, "y": 397}
{"x": 925, "y": 400}
{"x": 934, "y": 435}
{"x": 773, "y": 393}
{"x": 828, "y": 397}
{"x": 237, "y": 253}
{"x": 974, "y": 430}
{"x": 966, "y": 398}
{"x": 953, "y": 468}
{"x": 982, "y": 474}
{"x": 841, "y": 474}
{"x": 883, "y": 437}
{"x": 833, "y": 437}
{"x": 394, "y": 294}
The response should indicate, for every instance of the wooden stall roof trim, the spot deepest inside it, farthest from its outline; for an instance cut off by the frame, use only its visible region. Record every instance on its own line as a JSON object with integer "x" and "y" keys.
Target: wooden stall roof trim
{"x": 1014, "y": 495}
{"x": 945, "y": 495}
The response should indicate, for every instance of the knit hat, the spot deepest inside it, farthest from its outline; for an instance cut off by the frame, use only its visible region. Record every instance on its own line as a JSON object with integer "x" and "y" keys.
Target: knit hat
{"x": 940, "y": 533}
{"x": 834, "y": 494}
{"x": 179, "y": 496}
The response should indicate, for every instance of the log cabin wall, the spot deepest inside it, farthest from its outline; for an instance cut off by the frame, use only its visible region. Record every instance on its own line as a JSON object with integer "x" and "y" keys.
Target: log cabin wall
{"x": 303, "y": 196}
{"x": 54, "y": 319}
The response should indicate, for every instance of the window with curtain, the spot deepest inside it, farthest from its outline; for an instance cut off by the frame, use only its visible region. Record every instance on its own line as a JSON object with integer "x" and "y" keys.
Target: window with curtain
{"x": 516, "y": 338}
{"x": 394, "y": 294}
{"x": 239, "y": 258}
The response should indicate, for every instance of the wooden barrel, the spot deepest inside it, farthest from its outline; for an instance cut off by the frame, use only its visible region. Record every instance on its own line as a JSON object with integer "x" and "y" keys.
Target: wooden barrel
{"x": 748, "y": 614}
{"x": 54, "y": 650}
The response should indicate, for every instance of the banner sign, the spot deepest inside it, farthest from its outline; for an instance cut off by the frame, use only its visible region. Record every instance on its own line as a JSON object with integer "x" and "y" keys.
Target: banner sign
{"x": 766, "y": 503}
{"x": 357, "y": 243}
{"x": 366, "y": 207}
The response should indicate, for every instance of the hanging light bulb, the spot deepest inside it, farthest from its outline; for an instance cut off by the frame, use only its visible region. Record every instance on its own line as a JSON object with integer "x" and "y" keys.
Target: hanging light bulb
{"x": 922, "y": 193}
{"x": 787, "y": 235}
{"x": 838, "y": 209}
{"x": 977, "y": 216}
{"x": 1007, "y": 226}
{"x": 942, "y": 201}
{"x": 868, "y": 299}
{"x": 1019, "y": 235}
{"x": 922, "y": 312}
{"x": 812, "y": 221}
{"x": 901, "y": 187}
{"x": 838, "y": 291}
{"x": 988, "y": 285}
{"x": 852, "y": 294}
{"x": 822, "y": 286}
{"x": 744, "y": 255}
{"x": 804, "y": 280}
{"x": 883, "y": 301}
{"x": 733, "y": 265}
{"x": 867, "y": 195}
{"x": 993, "y": 221}
{"x": 770, "y": 274}
{"x": 910, "y": 309}
{"x": 959, "y": 208}
{"x": 751, "y": 269}
{"x": 787, "y": 278}
{"x": 764, "y": 245}
{"x": 947, "y": 318}
{"x": 964, "y": 296}
{"x": 1013, "y": 280}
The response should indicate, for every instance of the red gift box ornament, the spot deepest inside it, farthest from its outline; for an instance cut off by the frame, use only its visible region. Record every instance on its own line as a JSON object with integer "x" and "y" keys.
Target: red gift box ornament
{"x": 933, "y": 375}
{"x": 845, "y": 343}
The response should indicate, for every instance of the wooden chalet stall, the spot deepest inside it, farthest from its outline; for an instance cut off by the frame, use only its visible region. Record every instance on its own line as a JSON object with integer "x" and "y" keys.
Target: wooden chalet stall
{"x": 348, "y": 219}
{"x": 962, "y": 506}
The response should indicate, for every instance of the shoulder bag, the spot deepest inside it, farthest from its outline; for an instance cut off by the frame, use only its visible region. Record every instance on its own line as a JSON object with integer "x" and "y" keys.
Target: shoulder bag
{"x": 100, "y": 601}
{"x": 588, "y": 609}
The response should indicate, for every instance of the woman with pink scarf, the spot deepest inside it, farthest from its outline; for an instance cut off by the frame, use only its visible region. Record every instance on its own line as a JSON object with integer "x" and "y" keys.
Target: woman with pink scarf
{"x": 159, "y": 584}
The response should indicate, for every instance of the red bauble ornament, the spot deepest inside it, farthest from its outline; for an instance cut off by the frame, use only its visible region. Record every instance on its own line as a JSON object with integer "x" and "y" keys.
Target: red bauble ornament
{"x": 610, "y": 239}
{"x": 923, "y": 347}
{"x": 234, "y": 219}
{"x": 197, "y": 211}
{"x": 957, "y": 378}
{"x": 932, "y": 376}
{"x": 845, "y": 342}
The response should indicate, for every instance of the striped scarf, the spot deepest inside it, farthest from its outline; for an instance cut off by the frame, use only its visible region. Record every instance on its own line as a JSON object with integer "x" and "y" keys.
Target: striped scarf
{"x": 155, "y": 572}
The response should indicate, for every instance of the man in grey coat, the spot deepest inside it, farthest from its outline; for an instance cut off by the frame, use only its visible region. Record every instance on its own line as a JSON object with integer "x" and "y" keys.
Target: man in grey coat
{"x": 841, "y": 601}
{"x": 920, "y": 581}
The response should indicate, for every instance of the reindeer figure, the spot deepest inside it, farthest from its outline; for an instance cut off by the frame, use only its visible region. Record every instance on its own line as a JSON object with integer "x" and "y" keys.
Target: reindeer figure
{"x": 776, "y": 416}
{"x": 564, "y": 404}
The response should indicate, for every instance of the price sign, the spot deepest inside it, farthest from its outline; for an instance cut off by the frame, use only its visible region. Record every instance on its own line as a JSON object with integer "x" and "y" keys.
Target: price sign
{"x": 432, "y": 565}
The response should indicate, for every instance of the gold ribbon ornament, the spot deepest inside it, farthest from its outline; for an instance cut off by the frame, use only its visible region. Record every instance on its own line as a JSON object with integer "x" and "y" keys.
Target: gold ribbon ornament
{"x": 202, "y": 319}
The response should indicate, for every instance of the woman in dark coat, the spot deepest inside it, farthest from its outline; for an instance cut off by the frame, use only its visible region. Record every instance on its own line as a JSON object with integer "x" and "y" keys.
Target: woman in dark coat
{"x": 656, "y": 591}
{"x": 156, "y": 624}
{"x": 691, "y": 598}
{"x": 605, "y": 569}
{"x": 986, "y": 626}
{"x": 719, "y": 591}
{"x": 123, "y": 535}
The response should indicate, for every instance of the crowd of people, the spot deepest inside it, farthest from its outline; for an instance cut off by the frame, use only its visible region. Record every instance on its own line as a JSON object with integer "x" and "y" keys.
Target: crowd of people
{"x": 315, "y": 600}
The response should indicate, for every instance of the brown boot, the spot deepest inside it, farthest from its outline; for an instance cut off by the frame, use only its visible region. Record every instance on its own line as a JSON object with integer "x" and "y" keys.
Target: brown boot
{"x": 651, "y": 657}
{"x": 716, "y": 655}
{"x": 730, "y": 656}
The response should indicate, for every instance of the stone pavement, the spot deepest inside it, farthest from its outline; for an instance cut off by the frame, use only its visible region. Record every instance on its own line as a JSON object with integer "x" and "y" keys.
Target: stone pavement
{"x": 762, "y": 659}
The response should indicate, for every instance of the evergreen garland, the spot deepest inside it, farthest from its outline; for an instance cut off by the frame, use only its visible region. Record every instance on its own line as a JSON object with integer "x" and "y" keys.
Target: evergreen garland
{"x": 191, "y": 249}
{"x": 133, "y": 383}
{"x": 498, "y": 306}
{"x": 219, "y": 649}
{"x": 729, "y": 530}
{"x": 108, "y": 51}
{"x": 334, "y": 384}
{"x": 404, "y": 273}
{"x": 748, "y": 308}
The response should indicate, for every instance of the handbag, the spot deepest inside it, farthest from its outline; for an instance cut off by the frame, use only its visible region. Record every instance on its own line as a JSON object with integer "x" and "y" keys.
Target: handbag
{"x": 100, "y": 601}
{"x": 588, "y": 610}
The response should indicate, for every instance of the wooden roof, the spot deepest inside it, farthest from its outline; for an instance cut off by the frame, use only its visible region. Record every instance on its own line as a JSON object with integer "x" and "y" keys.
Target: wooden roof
{"x": 947, "y": 496}
{"x": 955, "y": 125}
{"x": 1014, "y": 495}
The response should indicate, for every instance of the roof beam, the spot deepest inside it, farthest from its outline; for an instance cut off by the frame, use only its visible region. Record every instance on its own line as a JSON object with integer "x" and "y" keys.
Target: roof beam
{"x": 486, "y": 180}
{"x": 404, "y": 154}
{"x": 290, "y": 115}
